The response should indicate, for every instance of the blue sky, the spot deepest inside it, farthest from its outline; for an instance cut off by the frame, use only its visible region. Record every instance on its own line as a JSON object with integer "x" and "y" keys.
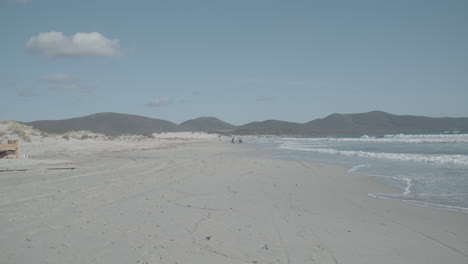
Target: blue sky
{"x": 240, "y": 61}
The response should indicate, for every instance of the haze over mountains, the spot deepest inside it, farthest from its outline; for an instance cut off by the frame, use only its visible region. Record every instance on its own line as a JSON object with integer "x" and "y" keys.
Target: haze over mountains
{"x": 114, "y": 124}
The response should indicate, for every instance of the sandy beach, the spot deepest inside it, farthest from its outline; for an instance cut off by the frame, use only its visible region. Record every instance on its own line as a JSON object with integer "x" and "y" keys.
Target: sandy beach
{"x": 210, "y": 201}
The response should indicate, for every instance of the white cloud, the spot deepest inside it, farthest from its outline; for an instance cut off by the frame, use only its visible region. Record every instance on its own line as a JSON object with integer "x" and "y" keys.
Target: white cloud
{"x": 55, "y": 44}
{"x": 59, "y": 78}
{"x": 158, "y": 102}
{"x": 65, "y": 83}
{"x": 73, "y": 87}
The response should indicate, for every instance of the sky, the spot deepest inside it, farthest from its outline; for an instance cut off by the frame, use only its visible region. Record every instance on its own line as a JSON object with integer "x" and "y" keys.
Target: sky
{"x": 240, "y": 61}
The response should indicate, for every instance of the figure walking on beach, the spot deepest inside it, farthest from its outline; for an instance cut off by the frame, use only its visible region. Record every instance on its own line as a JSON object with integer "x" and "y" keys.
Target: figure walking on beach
{"x": 232, "y": 141}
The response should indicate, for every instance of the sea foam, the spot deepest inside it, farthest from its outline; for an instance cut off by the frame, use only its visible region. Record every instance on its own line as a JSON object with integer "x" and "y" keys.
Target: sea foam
{"x": 458, "y": 160}
{"x": 394, "y": 138}
{"x": 430, "y": 169}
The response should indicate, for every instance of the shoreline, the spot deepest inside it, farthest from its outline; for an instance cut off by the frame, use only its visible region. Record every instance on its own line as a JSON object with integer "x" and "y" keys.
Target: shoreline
{"x": 215, "y": 202}
{"x": 380, "y": 178}
{"x": 371, "y": 182}
{"x": 384, "y": 188}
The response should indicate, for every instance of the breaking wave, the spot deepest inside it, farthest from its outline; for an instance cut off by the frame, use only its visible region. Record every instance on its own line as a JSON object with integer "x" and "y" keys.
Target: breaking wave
{"x": 398, "y": 138}
{"x": 458, "y": 160}
{"x": 430, "y": 169}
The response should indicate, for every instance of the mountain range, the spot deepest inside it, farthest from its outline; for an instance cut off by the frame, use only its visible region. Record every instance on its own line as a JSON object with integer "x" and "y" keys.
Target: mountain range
{"x": 114, "y": 124}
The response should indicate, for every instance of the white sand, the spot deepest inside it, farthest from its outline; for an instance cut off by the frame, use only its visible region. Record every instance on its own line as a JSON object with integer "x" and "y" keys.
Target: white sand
{"x": 204, "y": 201}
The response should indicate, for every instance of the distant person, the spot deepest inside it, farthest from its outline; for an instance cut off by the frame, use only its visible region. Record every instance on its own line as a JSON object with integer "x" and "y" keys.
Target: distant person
{"x": 232, "y": 141}
{"x": 240, "y": 140}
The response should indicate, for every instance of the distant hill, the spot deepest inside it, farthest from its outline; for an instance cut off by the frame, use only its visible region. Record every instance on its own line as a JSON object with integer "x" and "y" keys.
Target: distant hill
{"x": 272, "y": 127}
{"x": 111, "y": 124}
{"x": 205, "y": 124}
{"x": 362, "y": 123}
{"x": 382, "y": 122}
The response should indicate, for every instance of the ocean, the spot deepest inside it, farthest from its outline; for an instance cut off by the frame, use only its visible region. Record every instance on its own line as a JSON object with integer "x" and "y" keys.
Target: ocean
{"x": 431, "y": 169}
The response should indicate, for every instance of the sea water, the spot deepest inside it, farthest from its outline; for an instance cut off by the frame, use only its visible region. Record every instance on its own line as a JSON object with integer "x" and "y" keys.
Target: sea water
{"x": 430, "y": 169}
